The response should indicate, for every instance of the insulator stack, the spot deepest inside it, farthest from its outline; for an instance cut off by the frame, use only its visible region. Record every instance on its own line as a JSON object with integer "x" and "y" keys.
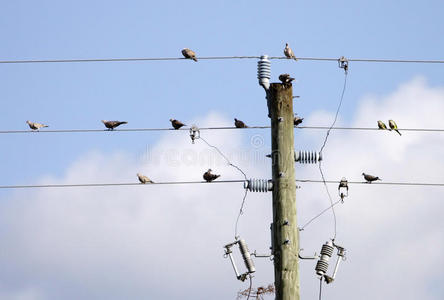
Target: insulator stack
{"x": 264, "y": 72}
{"x": 258, "y": 185}
{"x": 307, "y": 157}
{"x": 322, "y": 264}
{"x": 246, "y": 256}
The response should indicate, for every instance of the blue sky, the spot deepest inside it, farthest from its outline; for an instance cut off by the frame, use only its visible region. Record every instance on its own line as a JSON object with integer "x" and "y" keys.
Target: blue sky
{"x": 148, "y": 94}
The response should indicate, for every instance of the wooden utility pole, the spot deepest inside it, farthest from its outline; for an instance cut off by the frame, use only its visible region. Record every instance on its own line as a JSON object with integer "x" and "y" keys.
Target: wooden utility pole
{"x": 285, "y": 241}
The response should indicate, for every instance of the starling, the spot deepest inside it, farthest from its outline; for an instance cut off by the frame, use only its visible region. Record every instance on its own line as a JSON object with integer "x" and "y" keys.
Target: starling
{"x": 285, "y": 78}
{"x": 143, "y": 179}
{"x": 381, "y": 125}
{"x": 176, "y": 124}
{"x": 209, "y": 177}
{"x": 113, "y": 124}
{"x": 187, "y": 53}
{"x": 35, "y": 126}
{"x": 288, "y": 52}
{"x": 393, "y": 126}
{"x": 369, "y": 178}
{"x": 239, "y": 123}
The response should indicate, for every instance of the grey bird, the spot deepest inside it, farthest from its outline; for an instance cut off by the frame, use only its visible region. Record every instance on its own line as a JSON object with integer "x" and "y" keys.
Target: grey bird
{"x": 381, "y": 125}
{"x": 393, "y": 126}
{"x": 297, "y": 120}
{"x": 208, "y": 176}
{"x": 176, "y": 124}
{"x": 188, "y": 53}
{"x": 288, "y": 52}
{"x": 35, "y": 126}
{"x": 285, "y": 78}
{"x": 113, "y": 124}
{"x": 239, "y": 123}
{"x": 143, "y": 179}
{"x": 370, "y": 178}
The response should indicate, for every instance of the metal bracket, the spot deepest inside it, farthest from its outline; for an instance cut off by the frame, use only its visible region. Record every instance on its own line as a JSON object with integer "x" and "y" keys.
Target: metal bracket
{"x": 194, "y": 133}
{"x": 315, "y": 256}
{"x": 343, "y": 64}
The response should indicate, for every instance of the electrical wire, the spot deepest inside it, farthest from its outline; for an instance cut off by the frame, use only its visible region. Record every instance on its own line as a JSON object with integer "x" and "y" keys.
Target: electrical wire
{"x": 210, "y": 128}
{"x": 320, "y": 288}
{"x": 112, "y": 184}
{"x": 204, "y": 182}
{"x": 241, "y": 210}
{"x": 374, "y": 183}
{"x": 318, "y": 215}
{"x": 323, "y": 146}
{"x": 251, "y": 286}
{"x": 82, "y": 60}
{"x": 125, "y": 129}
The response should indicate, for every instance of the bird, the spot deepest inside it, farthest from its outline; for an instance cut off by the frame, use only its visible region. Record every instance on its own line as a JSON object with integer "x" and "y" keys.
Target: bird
{"x": 113, "y": 124}
{"x": 188, "y": 53}
{"x": 381, "y": 125}
{"x": 297, "y": 120}
{"x": 369, "y": 178}
{"x": 288, "y": 52}
{"x": 176, "y": 124}
{"x": 285, "y": 78}
{"x": 35, "y": 126}
{"x": 393, "y": 126}
{"x": 143, "y": 179}
{"x": 239, "y": 123}
{"x": 210, "y": 177}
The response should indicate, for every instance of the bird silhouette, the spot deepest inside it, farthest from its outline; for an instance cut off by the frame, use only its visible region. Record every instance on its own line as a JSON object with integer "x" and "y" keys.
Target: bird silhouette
{"x": 208, "y": 176}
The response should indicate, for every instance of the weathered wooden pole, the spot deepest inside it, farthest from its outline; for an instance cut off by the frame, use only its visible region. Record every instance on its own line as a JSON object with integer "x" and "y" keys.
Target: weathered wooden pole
{"x": 285, "y": 242}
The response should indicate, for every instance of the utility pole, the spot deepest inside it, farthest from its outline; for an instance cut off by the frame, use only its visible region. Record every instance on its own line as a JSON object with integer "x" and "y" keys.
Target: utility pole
{"x": 285, "y": 235}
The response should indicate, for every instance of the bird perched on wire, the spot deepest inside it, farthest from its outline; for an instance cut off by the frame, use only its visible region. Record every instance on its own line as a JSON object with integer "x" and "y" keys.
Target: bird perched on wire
{"x": 285, "y": 78}
{"x": 393, "y": 126}
{"x": 297, "y": 120}
{"x": 113, "y": 124}
{"x": 208, "y": 176}
{"x": 176, "y": 124}
{"x": 188, "y": 53}
{"x": 370, "y": 178}
{"x": 143, "y": 179}
{"x": 288, "y": 52}
{"x": 35, "y": 126}
{"x": 381, "y": 125}
{"x": 239, "y": 123}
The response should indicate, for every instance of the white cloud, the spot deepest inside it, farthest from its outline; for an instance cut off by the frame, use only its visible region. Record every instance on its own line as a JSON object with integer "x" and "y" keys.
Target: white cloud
{"x": 165, "y": 242}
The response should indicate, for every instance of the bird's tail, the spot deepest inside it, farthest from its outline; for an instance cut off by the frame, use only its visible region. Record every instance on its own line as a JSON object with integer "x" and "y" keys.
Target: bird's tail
{"x": 377, "y": 178}
{"x": 124, "y": 122}
{"x": 398, "y": 131}
{"x": 45, "y": 126}
{"x": 195, "y": 59}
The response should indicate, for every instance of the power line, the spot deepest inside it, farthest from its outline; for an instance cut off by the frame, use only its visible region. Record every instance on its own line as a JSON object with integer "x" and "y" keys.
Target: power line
{"x": 372, "y": 184}
{"x": 112, "y": 184}
{"x": 126, "y": 130}
{"x": 81, "y": 60}
{"x": 323, "y": 146}
{"x": 371, "y": 128}
{"x": 204, "y": 182}
{"x": 211, "y": 128}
